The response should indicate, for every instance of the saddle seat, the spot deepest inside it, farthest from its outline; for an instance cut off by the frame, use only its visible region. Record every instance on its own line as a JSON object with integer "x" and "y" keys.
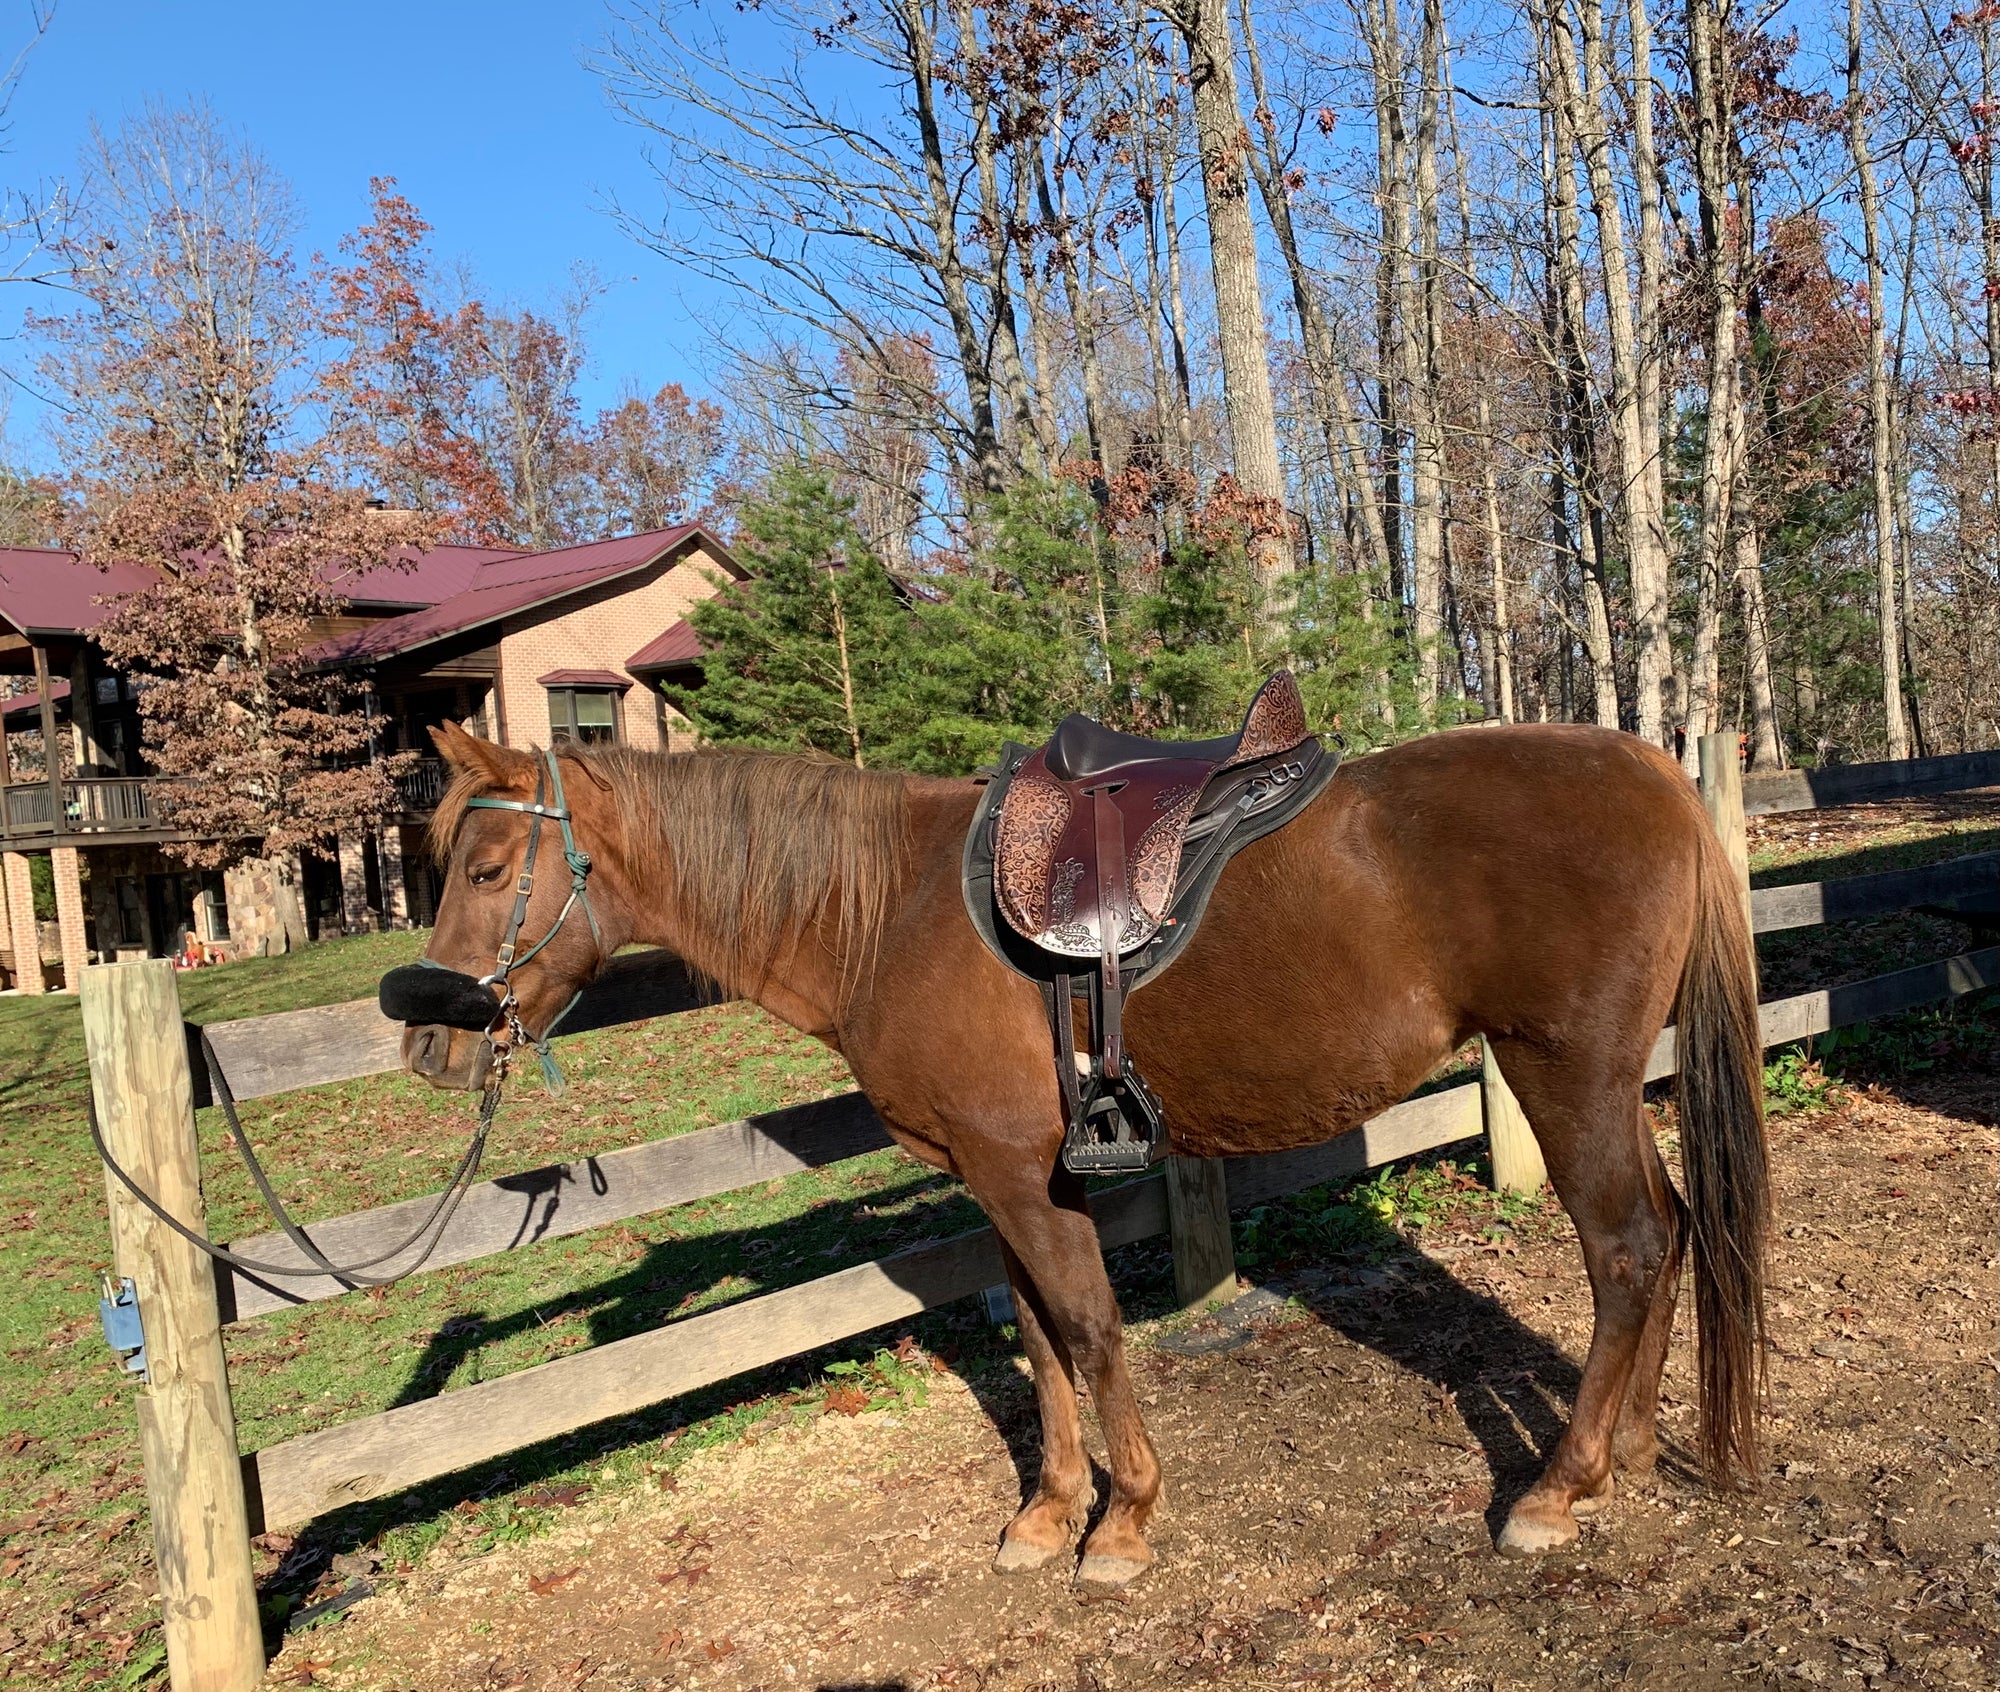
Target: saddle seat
{"x": 1094, "y": 823}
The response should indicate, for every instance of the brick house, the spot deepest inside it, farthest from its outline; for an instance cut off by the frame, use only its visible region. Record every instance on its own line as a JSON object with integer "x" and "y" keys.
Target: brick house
{"x": 521, "y": 647}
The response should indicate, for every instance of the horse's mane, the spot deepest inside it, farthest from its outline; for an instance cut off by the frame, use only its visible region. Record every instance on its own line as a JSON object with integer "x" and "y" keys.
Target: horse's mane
{"x": 755, "y": 847}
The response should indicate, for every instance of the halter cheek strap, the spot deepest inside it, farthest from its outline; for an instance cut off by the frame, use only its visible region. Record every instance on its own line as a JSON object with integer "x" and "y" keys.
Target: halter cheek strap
{"x": 554, "y": 809}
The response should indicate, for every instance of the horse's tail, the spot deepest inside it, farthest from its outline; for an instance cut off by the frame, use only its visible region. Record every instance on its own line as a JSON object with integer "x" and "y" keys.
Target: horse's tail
{"x": 1720, "y": 1093}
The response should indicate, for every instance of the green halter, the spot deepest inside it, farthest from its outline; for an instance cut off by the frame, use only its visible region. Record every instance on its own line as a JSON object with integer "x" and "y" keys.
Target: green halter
{"x": 556, "y": 810}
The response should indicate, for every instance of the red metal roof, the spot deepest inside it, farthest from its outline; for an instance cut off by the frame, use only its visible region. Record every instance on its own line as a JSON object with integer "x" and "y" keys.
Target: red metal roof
{"x": 584, "y": 678}
{"x": 44, "y": 591}
{"x": 29, "y": 705}
{"x": 679, "y": 648}
{"x": 509, "y": 586}
{"x": 437, "y": 574}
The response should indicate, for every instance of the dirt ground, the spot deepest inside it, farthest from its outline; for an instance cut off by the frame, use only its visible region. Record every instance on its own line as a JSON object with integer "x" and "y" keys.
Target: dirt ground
{"x": 1333, "y": 1488}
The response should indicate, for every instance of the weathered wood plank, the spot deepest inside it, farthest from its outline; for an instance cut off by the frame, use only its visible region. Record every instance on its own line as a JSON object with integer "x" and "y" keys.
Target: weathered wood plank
{"x": 265, "y": 1055}
{"x": 1849, "y": 784}
{"x": 1518, "y": 1165}
{"x": 1198, "y": 1222}
{"x": 1722, "y": 798}
{"x": 187, "y": 1431}
{"x": 566, "y": 1198}
{"x": 1404, "y": 1130}
{"x": 1796, "y": 1018}
{"x": 1806, "y": 904}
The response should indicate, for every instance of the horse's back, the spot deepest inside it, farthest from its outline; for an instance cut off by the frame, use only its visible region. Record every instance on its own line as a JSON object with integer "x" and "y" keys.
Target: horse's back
{"x": 1532, "y": 880}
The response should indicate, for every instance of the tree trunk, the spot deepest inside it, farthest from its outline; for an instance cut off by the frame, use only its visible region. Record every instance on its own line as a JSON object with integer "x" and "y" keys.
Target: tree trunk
{"x": 1718, "y": 274}
{"x": 1420, "y": 348}
{"x": 1766, "y": 747}
{"x": 1055, "y": 216}
{"x": 1584, "y": 95}
{"x": 1239, "y": 299}
{"x": 1882, "y": 450}
{"x": 1340, "y": 426}
{"x": 989, "y": 464}
{"x": 1574, "y": 407}
{"x": 1648, "y": 505}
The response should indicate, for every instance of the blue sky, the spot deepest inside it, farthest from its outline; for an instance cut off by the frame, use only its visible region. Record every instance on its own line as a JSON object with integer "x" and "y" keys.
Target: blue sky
{"x": 485, "y": 112}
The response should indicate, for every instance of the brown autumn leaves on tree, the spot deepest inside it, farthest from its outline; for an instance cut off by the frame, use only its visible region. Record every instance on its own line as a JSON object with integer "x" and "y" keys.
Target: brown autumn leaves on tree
{"x": 187, "y": 372}
{"x": 256, "y": 435}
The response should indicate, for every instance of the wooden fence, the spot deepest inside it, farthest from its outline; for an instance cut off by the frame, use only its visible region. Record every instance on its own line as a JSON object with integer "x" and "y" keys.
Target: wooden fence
{"x": 207, "y": 1500}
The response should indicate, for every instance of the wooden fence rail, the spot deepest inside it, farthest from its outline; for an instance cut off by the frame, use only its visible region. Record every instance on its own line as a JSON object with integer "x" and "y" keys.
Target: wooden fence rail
{"x": 1849, "y": 784}
{"x": 133, "y": 1007}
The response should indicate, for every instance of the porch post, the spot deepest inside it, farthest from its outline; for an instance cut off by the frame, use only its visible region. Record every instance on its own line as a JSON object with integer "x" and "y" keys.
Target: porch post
{"x": 395, "y": 896}
{"x": 69, "y": 914}
{"x": 353, "y": 884}
{"x": 52, "y": 760}
{"x": 83, "y": 712}
{"x": 26, "y": 942}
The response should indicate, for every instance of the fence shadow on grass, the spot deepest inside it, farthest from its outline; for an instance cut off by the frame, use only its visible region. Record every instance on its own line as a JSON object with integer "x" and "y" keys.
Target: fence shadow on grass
{"x": 1511, "y": 1385}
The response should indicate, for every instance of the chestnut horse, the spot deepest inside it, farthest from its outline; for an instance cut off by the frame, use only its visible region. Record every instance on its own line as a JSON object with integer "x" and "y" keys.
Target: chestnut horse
{"x": 1557, "y": 889}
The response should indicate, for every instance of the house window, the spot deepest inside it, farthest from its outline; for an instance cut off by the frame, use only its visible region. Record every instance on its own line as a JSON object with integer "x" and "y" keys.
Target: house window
{"x": 213, "y": 905}
{"x": 586, "y": 715}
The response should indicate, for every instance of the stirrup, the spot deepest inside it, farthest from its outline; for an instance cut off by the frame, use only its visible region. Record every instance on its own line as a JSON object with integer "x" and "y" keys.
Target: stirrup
{"x": 1116, "y": 1127}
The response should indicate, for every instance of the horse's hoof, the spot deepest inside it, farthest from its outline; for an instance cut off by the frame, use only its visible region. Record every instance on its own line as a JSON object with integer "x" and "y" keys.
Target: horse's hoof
{"x": 1109, "y": 1574}
{"x": 1531, "y": 1536}
{"x": 1018, "y": 1556}
{"x": 1591, "y": 1502}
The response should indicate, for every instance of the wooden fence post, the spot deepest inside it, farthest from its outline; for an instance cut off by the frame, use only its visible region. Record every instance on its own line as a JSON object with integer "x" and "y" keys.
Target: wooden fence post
{"x": 187, "y": 1431}
{"x": 1722, "y": 794}
{"x": 1510, "y": 1142}
{"x": 1198, "y": 1227}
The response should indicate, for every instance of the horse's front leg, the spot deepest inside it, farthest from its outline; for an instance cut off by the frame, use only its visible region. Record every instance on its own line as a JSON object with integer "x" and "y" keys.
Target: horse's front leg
{"x": 1050, "y": 1235}
{"x": 1049, "y": 1522}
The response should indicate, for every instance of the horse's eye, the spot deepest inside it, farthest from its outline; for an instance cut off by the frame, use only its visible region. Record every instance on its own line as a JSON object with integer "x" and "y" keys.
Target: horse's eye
{"x": 483, "y": 875}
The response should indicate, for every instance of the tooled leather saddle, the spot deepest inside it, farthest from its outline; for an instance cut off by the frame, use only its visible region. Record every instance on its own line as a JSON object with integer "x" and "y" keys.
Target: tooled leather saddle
{"x": 1087, "y": 868}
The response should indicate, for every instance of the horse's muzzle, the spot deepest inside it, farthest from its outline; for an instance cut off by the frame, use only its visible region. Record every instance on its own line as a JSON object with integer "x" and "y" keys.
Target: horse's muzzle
{"x": 452, "y": 1058}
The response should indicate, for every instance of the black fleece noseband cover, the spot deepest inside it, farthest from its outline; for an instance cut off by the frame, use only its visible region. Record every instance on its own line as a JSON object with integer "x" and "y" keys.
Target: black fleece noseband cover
{"x": 442, "y": 998}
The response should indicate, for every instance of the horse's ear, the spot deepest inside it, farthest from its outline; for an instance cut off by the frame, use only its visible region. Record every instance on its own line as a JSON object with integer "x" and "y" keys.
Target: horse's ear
{"x": 499, "y": 766}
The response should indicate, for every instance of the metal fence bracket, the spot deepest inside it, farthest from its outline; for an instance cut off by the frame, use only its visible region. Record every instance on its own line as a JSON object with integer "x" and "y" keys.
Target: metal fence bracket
{"x": 118, "y": 1310}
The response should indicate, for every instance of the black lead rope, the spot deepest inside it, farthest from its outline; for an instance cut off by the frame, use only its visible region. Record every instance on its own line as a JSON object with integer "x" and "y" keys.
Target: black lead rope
{"x": 433, "y": 1224}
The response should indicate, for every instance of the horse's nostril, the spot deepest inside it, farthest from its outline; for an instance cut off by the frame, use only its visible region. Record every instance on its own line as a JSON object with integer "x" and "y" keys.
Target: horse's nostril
{"x": 430, "y": 1051}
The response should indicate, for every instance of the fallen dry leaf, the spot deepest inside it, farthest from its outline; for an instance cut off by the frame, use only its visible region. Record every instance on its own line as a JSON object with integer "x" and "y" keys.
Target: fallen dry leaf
{"x": 543, "y": 1585}
{"x": 845, "y": 1400}
{"x": 717, "y": 1649}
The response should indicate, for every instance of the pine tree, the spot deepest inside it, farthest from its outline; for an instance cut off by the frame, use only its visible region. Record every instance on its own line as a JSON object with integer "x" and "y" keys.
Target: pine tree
{"x": 813, "y": 651}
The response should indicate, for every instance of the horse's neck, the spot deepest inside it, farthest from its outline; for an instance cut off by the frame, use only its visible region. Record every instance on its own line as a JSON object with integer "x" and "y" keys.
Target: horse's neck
{"x": 802, "y": 985}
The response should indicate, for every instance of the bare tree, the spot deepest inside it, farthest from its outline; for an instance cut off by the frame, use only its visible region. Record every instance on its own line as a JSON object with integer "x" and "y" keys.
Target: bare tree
{"x": 186, "y": 433}
{"x": 1882, "y": 447}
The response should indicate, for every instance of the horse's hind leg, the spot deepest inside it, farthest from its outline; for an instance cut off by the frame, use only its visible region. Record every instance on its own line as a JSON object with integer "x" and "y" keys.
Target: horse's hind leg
{"x": 1606, "y": 1172}
{"x": 1050, "y": 1521}
{"x": 1044, "y": 1221}
{"x": 1635, "y": 1440}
